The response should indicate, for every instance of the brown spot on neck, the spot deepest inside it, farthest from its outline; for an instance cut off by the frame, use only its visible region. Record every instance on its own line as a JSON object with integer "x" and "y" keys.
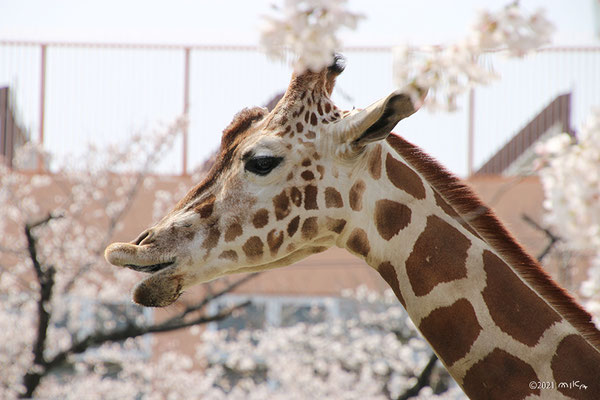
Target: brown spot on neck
{"x": 335, "y": 225}
{"x": 500, "y": 376}
{"x": 333, "y": 198}
{"x": 293, "y": 226}
{"x": 358, "y": 242}
{"x": 355, "y": 195}
{"x": 514, "y": 307}
{"x": 451, "y": 330}
{"x": 391, "y": 217}
{"x": 447, "y": 208}
{"x": 375, "y": 162}
{"x": 310, "y": 228}
{"x": 310, "y": 197}
{"x": 404, "y": 178}
{"x": 388, "y": 273}
{"x": 439, "y": 255}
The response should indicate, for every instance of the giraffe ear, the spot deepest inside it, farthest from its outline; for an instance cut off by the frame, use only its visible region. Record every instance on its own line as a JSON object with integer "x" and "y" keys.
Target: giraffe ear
{"x": 376, "y": 121}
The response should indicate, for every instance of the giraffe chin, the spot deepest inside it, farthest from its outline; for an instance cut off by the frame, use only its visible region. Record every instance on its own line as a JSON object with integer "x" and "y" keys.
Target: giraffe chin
{"x": 159, "y": 290}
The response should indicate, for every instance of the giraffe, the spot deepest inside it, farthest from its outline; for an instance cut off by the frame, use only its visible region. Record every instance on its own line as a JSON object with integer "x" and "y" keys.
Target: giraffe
{"x": 307, "y": 176}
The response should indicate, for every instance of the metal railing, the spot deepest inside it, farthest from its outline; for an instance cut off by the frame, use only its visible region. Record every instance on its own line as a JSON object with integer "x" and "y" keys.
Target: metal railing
{"x": 69, "y": 94}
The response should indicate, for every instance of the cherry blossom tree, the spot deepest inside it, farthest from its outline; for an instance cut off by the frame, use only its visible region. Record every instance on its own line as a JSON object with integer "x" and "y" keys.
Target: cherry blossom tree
{"x": 570, "y": 173}
{"x": 65, "y": 314}
{"x": 308, "y": 29}
{"x": 374, "y": 353}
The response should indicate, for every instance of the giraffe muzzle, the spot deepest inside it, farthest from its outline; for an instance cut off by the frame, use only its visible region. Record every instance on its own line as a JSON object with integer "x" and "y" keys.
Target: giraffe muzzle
{"x": 136, "y": 257}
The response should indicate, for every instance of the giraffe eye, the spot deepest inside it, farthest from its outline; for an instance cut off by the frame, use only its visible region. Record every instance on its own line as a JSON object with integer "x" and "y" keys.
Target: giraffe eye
{"x": 262, "y": 165}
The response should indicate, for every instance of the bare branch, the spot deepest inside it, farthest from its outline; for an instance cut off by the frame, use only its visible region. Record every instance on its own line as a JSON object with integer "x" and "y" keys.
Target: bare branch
{"x": 214, "y": 296}
{"x": 553, "y": 238}
{"x": 422, "y": 381}
{"x": 132, "y": 330}
{"x": 31, "y": 244}
{"x": 45, "y": 277}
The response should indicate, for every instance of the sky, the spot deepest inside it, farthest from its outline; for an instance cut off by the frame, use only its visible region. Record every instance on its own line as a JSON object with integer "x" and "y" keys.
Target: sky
{"x": 237, "y": 21}
{"x": 190, "y": 22}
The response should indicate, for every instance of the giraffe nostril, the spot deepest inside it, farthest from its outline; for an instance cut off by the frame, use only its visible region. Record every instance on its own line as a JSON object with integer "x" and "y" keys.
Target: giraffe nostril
{"x": 144, "y": 237}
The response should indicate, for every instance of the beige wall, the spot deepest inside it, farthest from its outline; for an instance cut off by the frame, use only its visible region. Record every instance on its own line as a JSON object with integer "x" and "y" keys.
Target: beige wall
{"x": 326, "y": 274}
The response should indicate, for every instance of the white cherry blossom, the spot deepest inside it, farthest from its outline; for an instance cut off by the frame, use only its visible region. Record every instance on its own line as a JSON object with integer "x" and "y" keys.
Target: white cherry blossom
{"x": 448, "y": 71}
{"x": 570, "y": 173}
{"x": 307, "y": 28}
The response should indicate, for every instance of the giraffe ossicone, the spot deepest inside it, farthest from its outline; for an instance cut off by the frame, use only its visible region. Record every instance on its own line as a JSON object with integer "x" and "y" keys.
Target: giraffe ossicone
{"x": 307, "y": 176}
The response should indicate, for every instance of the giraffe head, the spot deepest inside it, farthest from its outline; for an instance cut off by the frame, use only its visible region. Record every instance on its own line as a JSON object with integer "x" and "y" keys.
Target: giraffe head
{"x": 280, "y": 191}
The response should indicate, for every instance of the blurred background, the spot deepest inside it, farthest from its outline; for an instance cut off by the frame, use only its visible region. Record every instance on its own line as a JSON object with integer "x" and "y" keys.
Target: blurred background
{"x": 79, "y": 75}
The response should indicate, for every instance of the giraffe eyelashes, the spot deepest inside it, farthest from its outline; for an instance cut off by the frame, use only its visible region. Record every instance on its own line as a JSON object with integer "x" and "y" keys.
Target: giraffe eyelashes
{"x": 262, "y": 165}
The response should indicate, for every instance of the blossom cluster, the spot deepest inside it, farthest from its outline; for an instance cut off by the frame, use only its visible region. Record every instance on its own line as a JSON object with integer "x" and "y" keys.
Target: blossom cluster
{"x": 307, "y": 28}
{"x": 83, "y": 204}
{"x": 571, "y": 179}
{"x": 449, "y": 71}
{"x": 375, "y": 354}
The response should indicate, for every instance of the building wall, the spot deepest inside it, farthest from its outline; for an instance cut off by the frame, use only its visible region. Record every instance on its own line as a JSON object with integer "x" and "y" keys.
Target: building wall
{"x": 328, "y": 273}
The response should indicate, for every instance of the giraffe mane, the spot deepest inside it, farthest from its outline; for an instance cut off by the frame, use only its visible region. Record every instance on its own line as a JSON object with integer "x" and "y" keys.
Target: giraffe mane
{"x": 481, "y": 218}
{"x": 233, "y": 134}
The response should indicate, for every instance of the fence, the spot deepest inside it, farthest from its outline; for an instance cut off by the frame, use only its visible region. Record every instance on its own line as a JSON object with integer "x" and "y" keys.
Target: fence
{"x": 70, "y": 94}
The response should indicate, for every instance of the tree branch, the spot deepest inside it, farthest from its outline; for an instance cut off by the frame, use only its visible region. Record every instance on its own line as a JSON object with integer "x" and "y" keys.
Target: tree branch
{"x": 45, "y": 277}
{"x": 130, "y": 331}
{"x": 214, "y": 296}
{"x": 422, "y": 381}
{"x": 553, "y": 238}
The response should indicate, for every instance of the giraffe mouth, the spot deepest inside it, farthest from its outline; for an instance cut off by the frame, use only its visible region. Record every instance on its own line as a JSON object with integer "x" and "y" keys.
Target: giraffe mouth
{"x": 137, "y": 258}
{"x": 150, "y": 269}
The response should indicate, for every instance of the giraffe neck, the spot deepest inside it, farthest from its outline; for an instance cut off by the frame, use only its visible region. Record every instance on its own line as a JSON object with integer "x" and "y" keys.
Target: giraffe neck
{"x": 488, "y": 310}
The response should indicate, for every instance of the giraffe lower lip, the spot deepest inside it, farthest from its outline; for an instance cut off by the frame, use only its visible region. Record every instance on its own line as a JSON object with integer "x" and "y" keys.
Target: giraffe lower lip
{"x": 150, "y": 268}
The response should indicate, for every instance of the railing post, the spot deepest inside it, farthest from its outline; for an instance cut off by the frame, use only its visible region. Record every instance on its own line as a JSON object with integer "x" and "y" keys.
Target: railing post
{"x": 186, "y": 107}
{"x": 471, "y": 133}
{"x": 40, "y": 161}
